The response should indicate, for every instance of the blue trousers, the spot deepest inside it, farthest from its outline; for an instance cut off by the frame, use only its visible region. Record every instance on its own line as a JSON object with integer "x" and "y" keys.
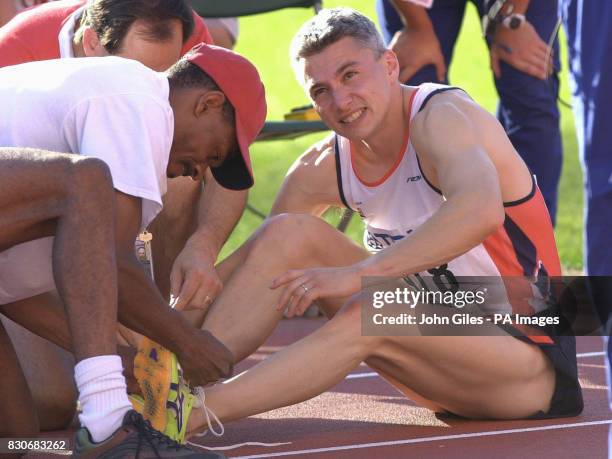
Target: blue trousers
{"x": 588, "y": 25}
{"x": 527, "y": 106}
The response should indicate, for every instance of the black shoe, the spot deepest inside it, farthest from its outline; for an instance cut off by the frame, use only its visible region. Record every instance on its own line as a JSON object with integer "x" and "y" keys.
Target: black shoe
{"x": 135, "y": 439}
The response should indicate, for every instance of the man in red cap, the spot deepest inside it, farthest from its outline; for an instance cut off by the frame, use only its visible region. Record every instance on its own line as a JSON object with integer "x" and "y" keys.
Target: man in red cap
{"x": 156, "y": 34}
{"x": 146, "y": 126}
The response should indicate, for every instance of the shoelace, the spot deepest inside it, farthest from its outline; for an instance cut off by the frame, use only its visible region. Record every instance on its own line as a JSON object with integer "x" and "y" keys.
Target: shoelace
{"x": 152, "y": 436}
{"x": 199, "y": 391}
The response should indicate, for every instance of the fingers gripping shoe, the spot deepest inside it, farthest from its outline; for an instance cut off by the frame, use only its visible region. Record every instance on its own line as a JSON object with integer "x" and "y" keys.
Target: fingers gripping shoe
{"x": 135, "y": 439}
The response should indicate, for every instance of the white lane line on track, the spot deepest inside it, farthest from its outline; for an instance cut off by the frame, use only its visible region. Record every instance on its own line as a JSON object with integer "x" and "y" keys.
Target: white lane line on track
{"x": 425, "y": 439}
{"x": 590, "y": 354}
{"x": 373, "y": 374}
{"x": 238, "y": 445}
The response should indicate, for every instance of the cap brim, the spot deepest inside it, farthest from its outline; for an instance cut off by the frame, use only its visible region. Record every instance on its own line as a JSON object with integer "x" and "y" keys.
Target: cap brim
{"x": 236, "y": 173}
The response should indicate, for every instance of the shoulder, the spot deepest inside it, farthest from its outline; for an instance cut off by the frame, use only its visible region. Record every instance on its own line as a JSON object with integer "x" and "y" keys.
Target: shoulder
{"x": 121, "y": 92}
{"x": 317, "y": 161}
{"x": 311, "y": 183}
{"x": 36, "y": 30}
{"x": 442, "y": 106}
{"x": 448, "y": 116}
{"x": 112, "y": 75}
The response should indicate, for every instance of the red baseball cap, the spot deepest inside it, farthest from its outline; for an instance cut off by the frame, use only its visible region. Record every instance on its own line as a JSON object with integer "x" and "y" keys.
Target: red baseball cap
{"x": 240, "y": 82}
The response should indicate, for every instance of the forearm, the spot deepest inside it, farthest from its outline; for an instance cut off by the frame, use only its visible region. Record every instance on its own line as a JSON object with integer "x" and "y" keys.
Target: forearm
{"x": 450, "y": 232}
{"x": 518, "y": 7}
{"x": 413, "y": 16}
{"x": 142, "y": 308}
{"x": 44, "y": 316}
{"x": 218, "y": 213}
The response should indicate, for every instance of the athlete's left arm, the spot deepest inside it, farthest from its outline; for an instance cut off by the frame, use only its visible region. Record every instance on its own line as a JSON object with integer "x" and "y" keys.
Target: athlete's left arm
{"x": 449, "y": 136}
{"x": 193, "y": 275}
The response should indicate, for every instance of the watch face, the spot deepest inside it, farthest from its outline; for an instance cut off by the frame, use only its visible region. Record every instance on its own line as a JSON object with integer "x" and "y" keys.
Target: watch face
{"x": 515, "y": 22}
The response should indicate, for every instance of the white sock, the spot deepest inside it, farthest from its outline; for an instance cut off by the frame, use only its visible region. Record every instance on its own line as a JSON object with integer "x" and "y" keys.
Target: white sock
{"x": 102, "y": 395}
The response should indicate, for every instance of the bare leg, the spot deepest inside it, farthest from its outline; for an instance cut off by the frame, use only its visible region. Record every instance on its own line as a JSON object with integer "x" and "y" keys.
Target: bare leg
{"x": 479, "y": 377}
{"x": 49, "y": 373}
{"x": 44, "y": 316}
{"x": 242, "y": 318}
{"x": 19, "y": 417}
{"x": 71, "y": 197}
{"x": 49, "y": 367}
{"x": 416, "y": 365}
{"x": 36, "y": 200}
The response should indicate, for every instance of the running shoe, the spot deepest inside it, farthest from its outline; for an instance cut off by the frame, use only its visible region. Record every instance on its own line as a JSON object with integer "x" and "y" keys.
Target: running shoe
{"x": 178, "y": 408}
{"x": 135, "y": 439}
{"x": 155, "y": 369}
{"x": 179, "y": 399}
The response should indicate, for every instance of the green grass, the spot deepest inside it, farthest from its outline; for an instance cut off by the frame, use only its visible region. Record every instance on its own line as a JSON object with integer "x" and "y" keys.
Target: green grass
{"x": 265, "y": 40}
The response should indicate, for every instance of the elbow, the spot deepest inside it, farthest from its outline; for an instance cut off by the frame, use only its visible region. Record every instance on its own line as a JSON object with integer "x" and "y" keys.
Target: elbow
{"x": 492, "y": 216}
{"x": 486, "y": 215}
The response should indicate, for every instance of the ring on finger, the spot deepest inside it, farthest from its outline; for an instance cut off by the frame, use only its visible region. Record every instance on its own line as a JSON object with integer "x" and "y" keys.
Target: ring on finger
{"x": 208, "y": 300}
{"x": 305, "y": 288}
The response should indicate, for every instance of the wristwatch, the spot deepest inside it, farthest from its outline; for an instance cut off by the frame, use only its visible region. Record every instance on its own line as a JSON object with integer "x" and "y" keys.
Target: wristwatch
{"x": 513, "y": 21}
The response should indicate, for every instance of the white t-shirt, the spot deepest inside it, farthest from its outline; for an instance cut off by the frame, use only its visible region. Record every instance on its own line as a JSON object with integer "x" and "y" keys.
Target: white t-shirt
{"x": 110, "y": 108}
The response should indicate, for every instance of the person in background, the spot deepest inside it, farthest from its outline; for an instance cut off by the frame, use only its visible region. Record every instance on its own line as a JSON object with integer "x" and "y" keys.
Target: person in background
{"x": 588, "y": 31}
{"x": 224, "y": 31}
{"x": 526, "y": 80}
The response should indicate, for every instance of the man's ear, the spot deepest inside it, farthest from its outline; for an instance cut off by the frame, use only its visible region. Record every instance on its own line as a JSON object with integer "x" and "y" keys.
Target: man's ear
{"x": 209, "y": 100}
{"x": 91, "y": 43}
{"x": 391, "y": 64}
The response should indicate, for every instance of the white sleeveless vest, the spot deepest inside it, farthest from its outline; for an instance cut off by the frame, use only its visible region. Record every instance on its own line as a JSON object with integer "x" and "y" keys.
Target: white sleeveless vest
{"x": 394, "y": 208}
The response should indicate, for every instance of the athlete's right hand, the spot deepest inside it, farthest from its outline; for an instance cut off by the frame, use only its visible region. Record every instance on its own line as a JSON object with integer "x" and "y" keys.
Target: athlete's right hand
{"x": 205, "y": 359}
{"x": 415, "y": 48}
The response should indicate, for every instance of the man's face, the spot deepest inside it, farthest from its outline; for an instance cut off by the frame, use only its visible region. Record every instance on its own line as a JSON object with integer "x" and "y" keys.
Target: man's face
{"x": 203, "y": 136}
{"x": 138, "y": 45}
{"x": 350, "y": 86}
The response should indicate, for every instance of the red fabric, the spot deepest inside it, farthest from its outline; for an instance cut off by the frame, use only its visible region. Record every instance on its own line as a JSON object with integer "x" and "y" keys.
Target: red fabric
{"x": 32, "y": 35}
{"x": 532, "y": 219}
{"x": 240, "y": 82}
{"x": 200, "y": 34}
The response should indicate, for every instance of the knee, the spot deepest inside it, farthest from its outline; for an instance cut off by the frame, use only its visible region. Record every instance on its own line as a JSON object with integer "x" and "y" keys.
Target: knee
{"x": 91, "y": 179}
{"x": 292, "y": 235}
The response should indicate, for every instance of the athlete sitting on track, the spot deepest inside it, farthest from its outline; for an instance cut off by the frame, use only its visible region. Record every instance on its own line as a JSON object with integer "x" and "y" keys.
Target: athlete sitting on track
{"x": 436, "y": 177}
{"x": 146, "y": 126}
